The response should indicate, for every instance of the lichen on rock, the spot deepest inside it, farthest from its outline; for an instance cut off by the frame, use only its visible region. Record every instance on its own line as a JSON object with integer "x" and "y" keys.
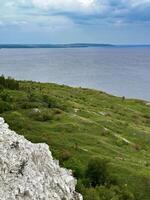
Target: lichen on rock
{"x": 28, "y": 171}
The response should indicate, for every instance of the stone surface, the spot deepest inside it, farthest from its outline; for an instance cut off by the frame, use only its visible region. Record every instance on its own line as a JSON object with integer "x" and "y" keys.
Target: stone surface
{"x": 28, "y": 171}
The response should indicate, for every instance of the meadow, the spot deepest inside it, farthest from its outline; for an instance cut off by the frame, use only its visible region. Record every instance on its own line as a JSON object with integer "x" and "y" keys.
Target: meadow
{"x": 104, "y": 139}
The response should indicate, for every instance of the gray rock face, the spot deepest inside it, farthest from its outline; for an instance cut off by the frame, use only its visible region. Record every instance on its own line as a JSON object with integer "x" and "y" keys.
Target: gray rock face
{"x": 28, "y": 171}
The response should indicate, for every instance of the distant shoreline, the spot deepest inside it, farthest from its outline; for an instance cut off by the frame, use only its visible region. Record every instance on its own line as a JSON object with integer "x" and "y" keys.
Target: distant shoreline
{"x": 73, "y": 45}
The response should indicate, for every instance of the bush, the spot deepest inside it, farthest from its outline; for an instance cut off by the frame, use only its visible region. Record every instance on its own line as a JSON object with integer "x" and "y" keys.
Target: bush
{"x": 4, "y": 106}
{"x": 99, "y": 184}
{"x": 107, "y": 193}
{"x": 104, "y": 192}
{"x": 65, "y": 155}
{"x": 5, "y": 96}
{"x": 16, "y": 121}
{"x": 82, "y": 184}
{"x": 34, "y": 97}
{"x": 41, "y": 115}
{"x": 91, "y": 194}
{"x": 54, "y": 102}
{"x": 97, "y": 172}
{"x": 126, "y": 195}
{"x": 114, "y": 193}
{"x": 28, "y": 105}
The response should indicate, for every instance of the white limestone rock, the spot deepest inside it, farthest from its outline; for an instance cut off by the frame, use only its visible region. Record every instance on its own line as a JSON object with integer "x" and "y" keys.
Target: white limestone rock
{"x": 28, "y": 171}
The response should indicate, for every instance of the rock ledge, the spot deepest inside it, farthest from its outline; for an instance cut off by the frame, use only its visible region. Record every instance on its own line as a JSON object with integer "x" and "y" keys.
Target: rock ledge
{"x": 28, "y": 171}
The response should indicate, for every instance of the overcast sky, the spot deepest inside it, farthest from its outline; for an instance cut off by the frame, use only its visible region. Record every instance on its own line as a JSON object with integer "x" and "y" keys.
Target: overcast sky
{"x": 69, "y": 21}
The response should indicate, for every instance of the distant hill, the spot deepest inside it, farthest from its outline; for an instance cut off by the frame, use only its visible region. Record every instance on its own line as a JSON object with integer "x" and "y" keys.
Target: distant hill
{"x": 74, "y": 45}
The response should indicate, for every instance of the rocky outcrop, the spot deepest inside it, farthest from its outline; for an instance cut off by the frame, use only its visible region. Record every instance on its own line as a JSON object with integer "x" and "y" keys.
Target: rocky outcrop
{"x": 28, "y": 171}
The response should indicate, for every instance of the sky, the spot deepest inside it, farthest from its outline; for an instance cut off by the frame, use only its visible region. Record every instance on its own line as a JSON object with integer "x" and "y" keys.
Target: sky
{"x": 71, "y": 21}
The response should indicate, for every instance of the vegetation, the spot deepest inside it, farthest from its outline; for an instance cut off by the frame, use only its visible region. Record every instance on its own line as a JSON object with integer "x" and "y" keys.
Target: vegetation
{"x": 97, "y": 172}
{"x": 8, "y": 83}
{"x": 104, "y": 139}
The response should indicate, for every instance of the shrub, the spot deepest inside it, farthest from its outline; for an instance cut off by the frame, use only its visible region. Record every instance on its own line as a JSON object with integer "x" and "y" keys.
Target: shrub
{"x": 97, "y": 171}
{"x": 65, "y": 155}
{"x": 34, "y": 97}
{"x": 57, "y": 111}
{"x": 114, "y": 193}
{"x": 16, "y": 121}
{"x": 82, "y": 184}
{"x": 104, "y": 192}
{"x": 136, "y": 147}
{"x": 120, "y": 142}
{"x": 5, "y": 96}
{"x": 28, "y": 105}
{"x": 107, "y": 193}
{"x": 126, "y": 195}
{"x": 91, "y": 194}
{"x": 4, "y": 106}
{"x": 41, "y": 115}
{"x": 54, "y": 102}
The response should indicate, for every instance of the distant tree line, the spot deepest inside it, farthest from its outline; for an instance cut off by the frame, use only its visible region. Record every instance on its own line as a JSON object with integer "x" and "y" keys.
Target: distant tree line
{"x": 9, "y": 83}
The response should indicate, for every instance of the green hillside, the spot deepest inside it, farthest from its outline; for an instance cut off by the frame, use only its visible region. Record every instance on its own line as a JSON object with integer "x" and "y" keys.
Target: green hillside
{"x": 79, "y": 124}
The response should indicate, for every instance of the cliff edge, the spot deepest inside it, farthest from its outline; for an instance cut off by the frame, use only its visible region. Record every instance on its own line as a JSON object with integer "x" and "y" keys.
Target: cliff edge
{"x": 28, "y": 171}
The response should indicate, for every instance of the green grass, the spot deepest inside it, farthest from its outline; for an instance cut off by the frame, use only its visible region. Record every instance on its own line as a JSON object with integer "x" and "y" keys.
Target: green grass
{"x": 79, "y": 123}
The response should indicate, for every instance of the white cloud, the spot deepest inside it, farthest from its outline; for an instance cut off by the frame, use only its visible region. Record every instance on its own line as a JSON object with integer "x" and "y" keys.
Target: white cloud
{"x": 85, "y": 6}
{"x": 135, "y": 3}
{"x": 70, "y": 11}
{"x": 69, "y": 5}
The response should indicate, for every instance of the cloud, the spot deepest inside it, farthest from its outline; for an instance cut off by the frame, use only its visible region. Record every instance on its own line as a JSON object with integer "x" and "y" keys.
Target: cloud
{"x": 74, "y": 11}
{"x": 83, "y": 6}
{"x": 74, "y": 20}
{"x": 135, "y": 3}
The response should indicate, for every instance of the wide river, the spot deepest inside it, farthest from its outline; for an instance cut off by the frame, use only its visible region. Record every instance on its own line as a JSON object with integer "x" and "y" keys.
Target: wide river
{"x": 118, "y": 71}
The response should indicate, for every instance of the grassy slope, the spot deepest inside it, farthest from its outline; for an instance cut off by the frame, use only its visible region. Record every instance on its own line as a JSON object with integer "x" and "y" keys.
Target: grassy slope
{"x": 88, "y": 123}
